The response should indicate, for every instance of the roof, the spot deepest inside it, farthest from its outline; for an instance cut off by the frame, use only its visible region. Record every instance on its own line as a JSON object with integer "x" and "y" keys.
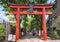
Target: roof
{"x": 28, "y": 4}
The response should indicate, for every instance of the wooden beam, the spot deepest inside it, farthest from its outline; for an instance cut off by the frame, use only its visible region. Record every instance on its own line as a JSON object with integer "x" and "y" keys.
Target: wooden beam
{"x": 33, "y": 13}
{"x": 26, "y": 7}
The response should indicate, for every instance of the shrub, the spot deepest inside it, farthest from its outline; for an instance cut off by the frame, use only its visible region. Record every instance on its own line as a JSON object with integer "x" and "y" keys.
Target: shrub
{"x": 13, "y": 29}
{"x": 54, "y": 34}
{"x": 2, "y": 32}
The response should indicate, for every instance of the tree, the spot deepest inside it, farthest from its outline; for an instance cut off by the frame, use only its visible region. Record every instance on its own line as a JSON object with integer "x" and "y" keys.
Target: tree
{"x": 24, "y": 18}
{"x": 5, "y": 3}
{"x": 35, "y": 23}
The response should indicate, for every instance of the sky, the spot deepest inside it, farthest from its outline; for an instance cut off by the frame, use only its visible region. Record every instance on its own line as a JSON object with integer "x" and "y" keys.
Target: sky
{"x": 1, "y": 10}
{"x": 50, "y": 1}
{"x": 2, "y": 13}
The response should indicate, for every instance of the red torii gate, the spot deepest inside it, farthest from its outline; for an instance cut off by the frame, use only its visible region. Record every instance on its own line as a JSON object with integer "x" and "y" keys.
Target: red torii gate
{"x": 43, "y": 13}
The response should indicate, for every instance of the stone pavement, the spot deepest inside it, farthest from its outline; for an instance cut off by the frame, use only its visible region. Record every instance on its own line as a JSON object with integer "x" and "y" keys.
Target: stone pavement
{"x": 36, "y": 40}
{"x": 30, "y": 38}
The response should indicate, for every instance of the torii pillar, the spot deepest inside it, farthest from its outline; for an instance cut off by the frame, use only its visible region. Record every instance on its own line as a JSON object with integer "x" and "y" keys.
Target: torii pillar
{"x": 43, "y": 13}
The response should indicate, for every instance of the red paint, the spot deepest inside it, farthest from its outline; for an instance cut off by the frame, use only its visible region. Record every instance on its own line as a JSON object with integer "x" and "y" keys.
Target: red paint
{"x": 44, "y": 24}
{"x": 17, "y": 24}
{"x": 33, "y": 13}
{"x": 43, "y": 13}
{"x": 27, "y": 6}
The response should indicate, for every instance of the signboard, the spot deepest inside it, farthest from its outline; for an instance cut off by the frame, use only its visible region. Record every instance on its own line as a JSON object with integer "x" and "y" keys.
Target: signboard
{"x": 11, "y": 37}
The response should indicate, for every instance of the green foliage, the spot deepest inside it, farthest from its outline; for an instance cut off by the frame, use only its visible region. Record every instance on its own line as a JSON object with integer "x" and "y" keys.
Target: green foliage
{"x": 24, "y": 1}
{"x": 54, "y": 34}
{"x": 24, "y": 17}
{"x": 29, "y": 26}
{"x": 2, "y": 31}
{"x": 41, "y": 1}
{"x": 36, "y": 22}
{"x": 33, "y": 22}
{"x": 13, "y": 28}
{"x": 7, "y": 8}
{"x": 11, "y": 18}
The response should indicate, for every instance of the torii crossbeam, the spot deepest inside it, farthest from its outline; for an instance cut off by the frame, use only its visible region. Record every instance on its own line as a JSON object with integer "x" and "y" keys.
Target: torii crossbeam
{"x": 43, "y": 13}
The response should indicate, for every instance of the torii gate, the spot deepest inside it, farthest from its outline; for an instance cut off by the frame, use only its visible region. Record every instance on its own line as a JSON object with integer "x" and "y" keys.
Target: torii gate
{"x": 43, "y": 13}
